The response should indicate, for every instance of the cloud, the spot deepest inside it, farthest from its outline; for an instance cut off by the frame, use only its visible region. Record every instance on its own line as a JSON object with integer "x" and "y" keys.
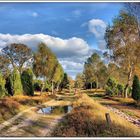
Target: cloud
{"x": 77, "y": 13}
{"x": 71, "y": 65}
{"x": 84, "y": 24}
{"x": 35, "y": 14}
{"x": 62, "y": 47}
{"x": 97, "y": 27}
{"x": 71, "y": 52}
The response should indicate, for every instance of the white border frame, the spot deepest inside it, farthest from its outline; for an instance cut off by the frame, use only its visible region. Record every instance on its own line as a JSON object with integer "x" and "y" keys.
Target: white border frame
{"x": 67, "y": 1}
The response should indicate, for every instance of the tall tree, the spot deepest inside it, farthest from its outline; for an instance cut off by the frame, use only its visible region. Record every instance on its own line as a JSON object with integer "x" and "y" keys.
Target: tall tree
{"x": 80, "y": 80}
{"x": 123, "y": 40}
{"x": 134, "y": 10}
{"x": 102, "y": 75}
{"x": 92, "y": 69}
{"x": 45, "y": 63}
{"x": 16, "y": 55}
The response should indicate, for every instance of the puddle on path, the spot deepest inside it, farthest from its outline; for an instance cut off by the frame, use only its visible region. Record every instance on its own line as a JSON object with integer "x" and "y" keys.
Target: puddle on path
{"x": 55, "y": 110}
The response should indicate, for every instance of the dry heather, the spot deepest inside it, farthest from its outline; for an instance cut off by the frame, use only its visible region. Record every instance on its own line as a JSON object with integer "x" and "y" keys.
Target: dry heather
{"x": 10, "y": 106}
{"x": 88, "y": 119}
{"x": 28, "y": 100}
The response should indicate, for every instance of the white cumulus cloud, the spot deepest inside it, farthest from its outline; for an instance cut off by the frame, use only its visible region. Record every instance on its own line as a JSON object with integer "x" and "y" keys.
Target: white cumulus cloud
{"x": 62, "y": 47}
{"x": 71, "y": 52}
{"x": 97, "y": 27}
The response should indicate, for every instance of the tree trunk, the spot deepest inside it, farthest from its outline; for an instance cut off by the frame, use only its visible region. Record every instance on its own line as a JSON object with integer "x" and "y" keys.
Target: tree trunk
{"x": 138, "y": 27}
{"x": 96, "y": 84}
{"x": 128, "y": 82}
{"x": 69, "y": 89}
{"x": 57, "y": 87}
{"x": 52, "y": 88}
{"x": 91, "y": 85}
{"x": 42, "y": 87}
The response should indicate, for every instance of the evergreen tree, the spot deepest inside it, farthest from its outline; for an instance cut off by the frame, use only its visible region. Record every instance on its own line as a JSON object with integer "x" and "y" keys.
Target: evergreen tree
{"x": 2, "y": 86}
{"x": 136, "y": 89}
{"x": 16, "y": 82}
{"x": 27, "y": 82}
{"x": 8, "y": 85}
{"x": 65, "y": 82}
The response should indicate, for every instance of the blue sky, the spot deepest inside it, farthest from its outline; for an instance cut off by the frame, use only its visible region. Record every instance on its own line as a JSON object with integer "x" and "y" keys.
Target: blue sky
{"x": 70, "y": 24}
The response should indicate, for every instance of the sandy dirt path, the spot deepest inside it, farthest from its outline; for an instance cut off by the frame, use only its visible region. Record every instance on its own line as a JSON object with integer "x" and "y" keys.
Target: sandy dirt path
{"x": 31, "y": 123}
{"x": 129, "y": 113}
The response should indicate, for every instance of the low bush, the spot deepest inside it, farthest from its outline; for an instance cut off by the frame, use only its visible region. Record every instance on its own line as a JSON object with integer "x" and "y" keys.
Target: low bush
{"x": 37, "y": 85}
{"x": 111, "y": 87}
{"x": 120, "y": 89}
{"x": 114, "y": 88}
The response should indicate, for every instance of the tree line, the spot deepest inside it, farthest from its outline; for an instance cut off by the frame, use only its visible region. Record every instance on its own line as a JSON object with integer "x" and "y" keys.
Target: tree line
{"x": 22, "y": 71}
{"x": 123, "y": 55}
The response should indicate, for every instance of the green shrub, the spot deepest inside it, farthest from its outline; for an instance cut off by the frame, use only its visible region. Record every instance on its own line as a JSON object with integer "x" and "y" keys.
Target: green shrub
{"x": 27, "y": 82}
{"x": 120, "y": 88}
{"x": 37, "y": 85}
{"x": 2, "y": 86}
{"x": 111, "y": 87}
{"x": 65, "y": 82}
{"x": 136, "y": 89}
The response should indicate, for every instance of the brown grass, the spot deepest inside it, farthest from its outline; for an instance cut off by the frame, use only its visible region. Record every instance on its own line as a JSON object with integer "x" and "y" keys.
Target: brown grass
{"x": 27, "y": 100}
{"x": 123, "y": 100}
{"x": 88, "y": 119}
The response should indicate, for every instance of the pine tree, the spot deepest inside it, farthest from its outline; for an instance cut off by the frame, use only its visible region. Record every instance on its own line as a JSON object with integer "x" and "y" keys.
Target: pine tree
{"x": 2, "y": 86}
{"x": 16, "y": 82}
{"x": 136, "y": 89}
{"x": 8, "y": 85}
{"x": 27, "y": 82}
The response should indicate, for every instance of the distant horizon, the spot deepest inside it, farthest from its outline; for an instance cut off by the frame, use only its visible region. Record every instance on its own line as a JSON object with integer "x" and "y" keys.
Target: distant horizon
{"x": 72, "y": 30}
